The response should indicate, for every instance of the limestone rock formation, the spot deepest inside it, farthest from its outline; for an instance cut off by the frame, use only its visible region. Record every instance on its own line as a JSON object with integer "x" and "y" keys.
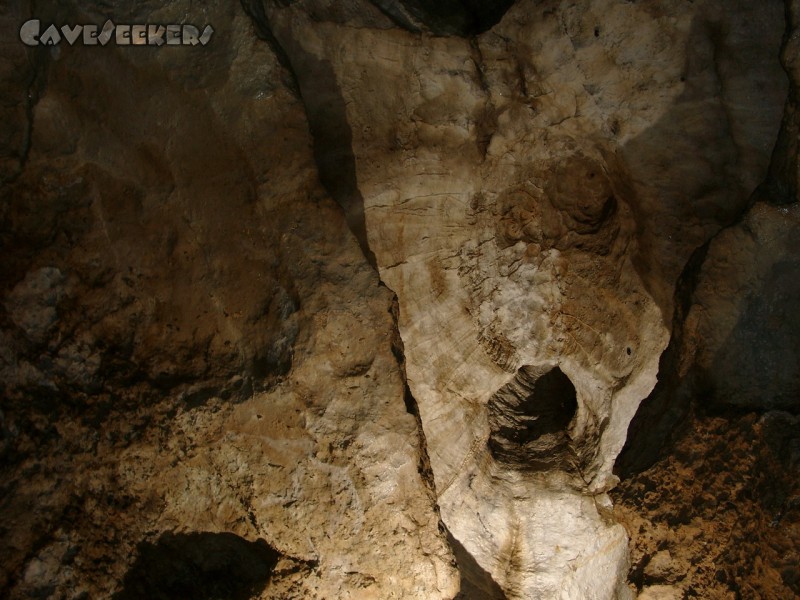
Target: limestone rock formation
{"x": 199, "y": 366}
{"x": 717, "y": 445}
{"x": 529, "y": 196}
{"x": 718, "y": 516}
{"x": 360, "y": 299}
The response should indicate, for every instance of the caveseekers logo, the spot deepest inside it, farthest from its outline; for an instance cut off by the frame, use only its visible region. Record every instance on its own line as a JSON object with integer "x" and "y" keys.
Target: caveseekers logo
{"x": 31, "y": 34}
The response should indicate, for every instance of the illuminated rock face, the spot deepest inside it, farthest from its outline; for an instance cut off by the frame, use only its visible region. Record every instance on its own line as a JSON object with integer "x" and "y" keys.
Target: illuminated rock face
{"x": 531, "y": 195}
{"x": 211, "y": 331}
{"x": 202, "y": 394}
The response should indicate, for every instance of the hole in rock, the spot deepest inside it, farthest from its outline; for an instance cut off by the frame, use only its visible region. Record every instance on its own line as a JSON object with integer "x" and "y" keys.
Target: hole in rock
{"x": 529, "y": 418}
{"x": 199, "y": 566}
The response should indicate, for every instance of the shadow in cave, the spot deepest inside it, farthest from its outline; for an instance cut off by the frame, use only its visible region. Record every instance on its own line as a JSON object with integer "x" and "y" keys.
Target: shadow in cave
{"x": 716, "y": 190}
{"x": 333, "y": 143}
{"x": 704, "y": 156}
{"x": 314, "y": 80}
{"x": 476, "y": 582}
{"x": 445, "y": 17}
{"x": 199, "y": 566}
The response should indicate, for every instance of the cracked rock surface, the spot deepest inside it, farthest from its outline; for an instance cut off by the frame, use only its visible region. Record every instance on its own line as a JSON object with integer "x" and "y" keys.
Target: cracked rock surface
{"x": 361, "y": 299}
{"x": 201, "y": 396}
{"x": 532, "y": 195}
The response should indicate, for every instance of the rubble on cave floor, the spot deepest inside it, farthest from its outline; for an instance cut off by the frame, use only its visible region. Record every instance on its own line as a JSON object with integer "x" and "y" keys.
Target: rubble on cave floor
{"x": 719, "y": 517}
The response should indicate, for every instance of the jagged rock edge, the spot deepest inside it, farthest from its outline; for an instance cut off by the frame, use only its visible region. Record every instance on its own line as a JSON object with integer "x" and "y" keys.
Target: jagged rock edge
{"x": 254, "y": 9}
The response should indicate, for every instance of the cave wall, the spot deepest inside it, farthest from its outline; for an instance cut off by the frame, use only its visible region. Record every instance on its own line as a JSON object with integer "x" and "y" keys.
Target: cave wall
{"x": 532, "y": 194}
{"x": 291, "y": 295}
{"x": 196, "y": 354}
{"x": 712, "y": 462}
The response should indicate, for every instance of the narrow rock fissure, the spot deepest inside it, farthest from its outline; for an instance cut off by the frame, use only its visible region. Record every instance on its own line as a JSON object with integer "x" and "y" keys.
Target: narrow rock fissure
{"x": 333, "y": 155}
{"x": 424, "y": 467}
{"x": 258, "y": 15}
{"x": 336, "y": 165}
{"x": 460, "y": 18}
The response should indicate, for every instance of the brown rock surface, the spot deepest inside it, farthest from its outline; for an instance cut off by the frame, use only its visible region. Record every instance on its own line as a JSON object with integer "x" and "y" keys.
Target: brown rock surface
{"x": 200, "y": 383}
{"x": 218, "y": 383}
{"x": 532, "y": 195}
{"x": 723, "y": 507}
{"x": 722, "y": 497}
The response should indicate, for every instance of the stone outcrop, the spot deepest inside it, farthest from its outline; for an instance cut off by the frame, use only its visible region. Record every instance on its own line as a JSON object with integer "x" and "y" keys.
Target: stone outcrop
{"x": 710, "y": 495}
{"x": 719, "y": 515}
{"x": 532, "y": 196}
{"x": 360, "y": 299}
{"x": 200, "y": 372}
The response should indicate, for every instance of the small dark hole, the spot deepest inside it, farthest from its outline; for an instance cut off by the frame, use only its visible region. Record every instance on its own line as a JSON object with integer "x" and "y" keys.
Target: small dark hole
{"x": 628, "y": 350}
{"x": 596, "y": 32}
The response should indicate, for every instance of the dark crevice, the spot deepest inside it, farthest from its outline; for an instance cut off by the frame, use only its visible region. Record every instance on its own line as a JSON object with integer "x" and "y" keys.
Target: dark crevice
{"x": 780, "y": 188}
{"x": 315, "y": 84}
{"x": 445, "y": 17}
{"x": 657, "y": 422}
{"x": 31, "y": 98}
{"x": 667, "y": 406}
{"x": 424, "y": 467}
{"x": 486, "y": 125}
{"x": 258, "y": 15}
{"x": 529, "y": 420}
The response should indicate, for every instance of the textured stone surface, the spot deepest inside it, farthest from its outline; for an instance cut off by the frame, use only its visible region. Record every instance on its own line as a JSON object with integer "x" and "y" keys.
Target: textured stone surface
{"x": 660, "y": 592}
{"x": 199, "y": 367}
{"x": 728, "y": 469}
{"x": 530, "y": 197}
{"x": 741, "y": 340}
{"x": 719, "y": 517}
{"x": 204, "y": 381}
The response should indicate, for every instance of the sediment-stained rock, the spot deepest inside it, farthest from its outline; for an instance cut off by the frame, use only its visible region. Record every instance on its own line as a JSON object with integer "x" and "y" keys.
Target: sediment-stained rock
{"x": 201, "y": 368}
{"x": 532, "y": 195}
{"x": 198, "y": 367}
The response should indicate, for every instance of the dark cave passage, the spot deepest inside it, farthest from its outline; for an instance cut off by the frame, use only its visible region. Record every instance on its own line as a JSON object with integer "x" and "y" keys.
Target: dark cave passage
{"x": 529, "y": 418}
